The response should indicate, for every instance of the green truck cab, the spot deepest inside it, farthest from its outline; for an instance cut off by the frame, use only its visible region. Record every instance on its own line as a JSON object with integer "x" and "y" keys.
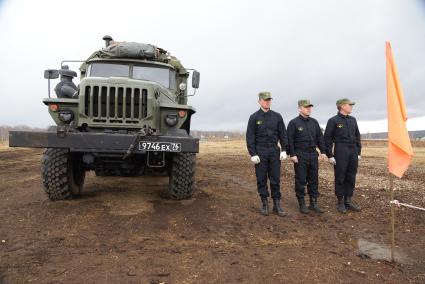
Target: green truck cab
{"x": 128, "y": 116}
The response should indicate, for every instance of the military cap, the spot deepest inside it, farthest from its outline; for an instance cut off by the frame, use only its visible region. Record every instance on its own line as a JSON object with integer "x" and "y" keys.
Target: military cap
{"x": 304, "y": 103}
{"x": 265, "y": 95}
{"x": 344, "y": 101}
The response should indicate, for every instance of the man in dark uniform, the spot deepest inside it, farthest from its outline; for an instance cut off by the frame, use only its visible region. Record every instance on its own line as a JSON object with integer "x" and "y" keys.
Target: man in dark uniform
{"x": 343, "y": 132}
{"x": 304, "y": 135}
{"x": 265, "y": 129}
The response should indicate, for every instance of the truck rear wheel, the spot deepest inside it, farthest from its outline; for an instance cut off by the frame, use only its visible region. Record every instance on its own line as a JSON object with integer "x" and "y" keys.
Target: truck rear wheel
{"x": 182, "y": 176}
{"x": 63, "y": 174}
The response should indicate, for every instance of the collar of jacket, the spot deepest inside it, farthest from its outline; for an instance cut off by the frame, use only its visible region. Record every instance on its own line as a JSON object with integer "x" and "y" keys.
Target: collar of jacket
{"x": 343, "y": 116}
{"x": 264, "y": 112}
{"x": 304, "y": 118}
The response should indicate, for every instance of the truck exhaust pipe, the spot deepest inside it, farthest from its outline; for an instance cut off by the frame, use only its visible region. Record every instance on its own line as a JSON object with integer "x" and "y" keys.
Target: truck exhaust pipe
{"x": 107, "y": 39}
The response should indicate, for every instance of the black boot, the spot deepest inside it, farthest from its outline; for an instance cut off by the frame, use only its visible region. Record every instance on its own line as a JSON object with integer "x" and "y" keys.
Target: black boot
{"x": 314, "y": 206}
{"x": 277, "y": 209}
{"x": 341, "y": 206}
{"x": 301, "y": 203}
{"x": 349, "y": 204}
{"x": 264, "y": 209}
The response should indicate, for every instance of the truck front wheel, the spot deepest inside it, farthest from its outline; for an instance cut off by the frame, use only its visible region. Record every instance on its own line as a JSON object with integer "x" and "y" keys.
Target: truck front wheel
{"x": 182, "y": 175}
{"x": 63, "y": 174}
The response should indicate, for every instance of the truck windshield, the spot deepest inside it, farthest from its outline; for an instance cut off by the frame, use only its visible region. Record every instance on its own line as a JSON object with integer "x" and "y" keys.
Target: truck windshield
{"x": 109, "y": 70}
{"x": 163, "y": 76}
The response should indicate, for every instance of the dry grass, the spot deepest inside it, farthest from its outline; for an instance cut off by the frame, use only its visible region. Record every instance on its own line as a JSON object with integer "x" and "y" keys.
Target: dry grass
{"x": 375, "y": 150}
{"x": 4, "y": 145}
{"x": 223, "y": 147}
{"x": 381, "y": 152}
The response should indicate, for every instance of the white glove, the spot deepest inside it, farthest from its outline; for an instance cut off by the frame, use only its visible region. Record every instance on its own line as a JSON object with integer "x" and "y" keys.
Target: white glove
{"x": 255, "y": 159}
{"x": 282, "y": 156}
{"x": 332, "y": 161}
{"x": 359, "y": 157}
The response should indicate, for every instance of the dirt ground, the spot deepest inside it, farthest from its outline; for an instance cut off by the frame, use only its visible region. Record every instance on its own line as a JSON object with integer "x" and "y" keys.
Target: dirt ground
{"x": 123, "y": 230}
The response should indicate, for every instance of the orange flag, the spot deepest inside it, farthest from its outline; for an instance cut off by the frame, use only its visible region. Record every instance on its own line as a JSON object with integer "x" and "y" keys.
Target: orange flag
{"x": 399, "y": 148}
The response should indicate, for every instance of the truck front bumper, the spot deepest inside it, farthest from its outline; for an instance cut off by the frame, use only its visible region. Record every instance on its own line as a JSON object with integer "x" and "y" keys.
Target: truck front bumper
{"x": 95, "y": 142}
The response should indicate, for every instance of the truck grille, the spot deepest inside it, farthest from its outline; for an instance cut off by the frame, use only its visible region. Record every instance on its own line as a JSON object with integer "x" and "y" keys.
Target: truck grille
{"x": 115, "y": 104}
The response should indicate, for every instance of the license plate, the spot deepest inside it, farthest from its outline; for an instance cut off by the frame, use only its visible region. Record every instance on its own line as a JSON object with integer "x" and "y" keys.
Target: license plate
{"x": 160, "y": 146}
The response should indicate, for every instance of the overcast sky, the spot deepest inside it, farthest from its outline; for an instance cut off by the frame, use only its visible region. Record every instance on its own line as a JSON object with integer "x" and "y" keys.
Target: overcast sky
{"x": 321, "y": 50}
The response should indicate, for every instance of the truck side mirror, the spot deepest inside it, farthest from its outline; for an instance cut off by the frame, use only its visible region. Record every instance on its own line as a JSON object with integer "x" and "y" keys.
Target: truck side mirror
{"x": 195, "y": 79}
{"x": 51, "y": 74}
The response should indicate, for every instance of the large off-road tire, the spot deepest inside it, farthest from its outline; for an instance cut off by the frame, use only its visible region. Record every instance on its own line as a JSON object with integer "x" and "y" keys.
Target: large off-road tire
{"x": 182, "y": 175}
{"x": 63, "y": 174}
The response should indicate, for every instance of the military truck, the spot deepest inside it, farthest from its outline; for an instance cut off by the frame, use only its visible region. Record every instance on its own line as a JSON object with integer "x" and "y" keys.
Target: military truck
{"x": 128, "y": 116}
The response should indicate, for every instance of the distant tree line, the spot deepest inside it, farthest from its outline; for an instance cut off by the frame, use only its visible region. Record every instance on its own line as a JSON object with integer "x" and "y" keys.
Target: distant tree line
{"x": 4, "y": 130}
{"x": 227, "y": 135}
{"x": 414, "y": 135}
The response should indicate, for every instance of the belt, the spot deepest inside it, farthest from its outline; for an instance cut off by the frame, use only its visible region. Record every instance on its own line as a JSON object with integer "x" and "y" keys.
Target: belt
{"x": 306, "y": 150}
{"x": 267, "y": 144}
{"x": 350, "y": 144}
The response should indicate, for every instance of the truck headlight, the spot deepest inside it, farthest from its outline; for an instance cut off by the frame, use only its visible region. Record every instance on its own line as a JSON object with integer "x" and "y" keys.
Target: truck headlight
{"x": 66, "y": 115}
{"x": 182, "y": 86}
{"x": 171, "y": 119}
